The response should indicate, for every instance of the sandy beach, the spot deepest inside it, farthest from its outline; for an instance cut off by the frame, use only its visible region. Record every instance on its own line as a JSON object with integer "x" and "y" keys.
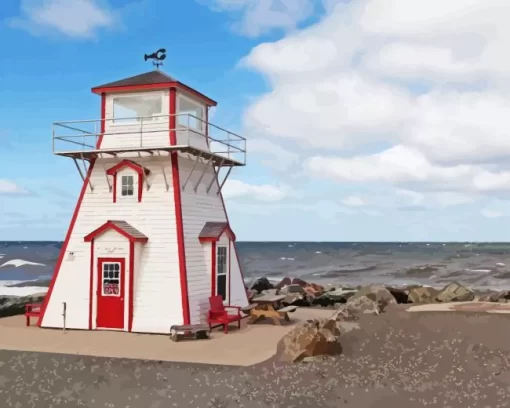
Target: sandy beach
{"x": 442, "y": 359}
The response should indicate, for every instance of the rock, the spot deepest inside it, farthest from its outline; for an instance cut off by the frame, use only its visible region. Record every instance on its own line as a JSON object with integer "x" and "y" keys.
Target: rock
{"x": 295, "y": 295}
{"x": 333, "y": 296}
{"x": 493, "y": 297}
{"x": 455, "y": 292}
{"x": 284, "y": 282}
{"x": 268, "y": 292}
{"x": 313, "y": 338}
{"x": 261, "y": 284}
{"x": 422, "y": 294}
{"x": 363, "y": 304}
{"x": 15, "y": 305}
{"x": 400, "y": 295}
{"x": 344, "y": 314}
{"x": 376, "y": 293}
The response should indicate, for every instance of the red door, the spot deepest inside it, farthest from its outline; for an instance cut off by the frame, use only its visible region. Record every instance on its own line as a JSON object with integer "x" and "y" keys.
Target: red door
{"x": 110, "y": 293}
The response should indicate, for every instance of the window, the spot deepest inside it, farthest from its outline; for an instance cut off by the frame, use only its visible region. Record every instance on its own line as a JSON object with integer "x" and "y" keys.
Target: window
{"x": 127, "y": 185}
{"x": 221, "y": 272}
{"x": 190, "y": 114}
{"x": 135, "y": 108}
{"x": 111, "y": 279}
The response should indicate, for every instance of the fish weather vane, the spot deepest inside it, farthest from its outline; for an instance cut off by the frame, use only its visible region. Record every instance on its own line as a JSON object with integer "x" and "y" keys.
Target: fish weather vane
{"x": 157, "y": 57}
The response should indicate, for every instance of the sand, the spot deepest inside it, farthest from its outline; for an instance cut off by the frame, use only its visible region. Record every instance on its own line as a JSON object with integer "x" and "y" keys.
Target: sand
{"x": 441, "y": 359}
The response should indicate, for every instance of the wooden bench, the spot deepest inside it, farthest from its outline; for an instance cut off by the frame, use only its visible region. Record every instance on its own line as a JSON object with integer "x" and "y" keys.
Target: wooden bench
{"x": 189, "y": 332}
{"x": 284, "y": 311}
{"x": 32, "y": 310}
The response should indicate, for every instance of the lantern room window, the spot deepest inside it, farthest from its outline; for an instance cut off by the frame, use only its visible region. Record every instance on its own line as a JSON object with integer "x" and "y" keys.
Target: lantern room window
{"x": 133, "y": 109}
{"x": 191, "y": 114}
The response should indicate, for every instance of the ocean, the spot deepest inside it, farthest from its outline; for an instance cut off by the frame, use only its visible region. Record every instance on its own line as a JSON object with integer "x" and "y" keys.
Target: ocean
{"x": 27, "y": 267}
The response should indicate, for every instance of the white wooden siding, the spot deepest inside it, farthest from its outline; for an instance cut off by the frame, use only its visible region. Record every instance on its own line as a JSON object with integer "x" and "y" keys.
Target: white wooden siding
{"x": 238, "y": 295}
{"x": 111, "y": 244}
{"x": 198, "y": 208}
{"x": 157, "y": 287}
{"x": 154, "y": 134}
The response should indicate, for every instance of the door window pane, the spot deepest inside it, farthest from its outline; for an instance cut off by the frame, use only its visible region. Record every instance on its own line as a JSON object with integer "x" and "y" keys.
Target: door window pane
{"x": 111, "y": 279}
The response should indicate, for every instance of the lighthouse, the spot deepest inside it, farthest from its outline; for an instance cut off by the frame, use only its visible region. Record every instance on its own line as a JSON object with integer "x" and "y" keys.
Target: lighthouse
{"x": 149, "y": 240}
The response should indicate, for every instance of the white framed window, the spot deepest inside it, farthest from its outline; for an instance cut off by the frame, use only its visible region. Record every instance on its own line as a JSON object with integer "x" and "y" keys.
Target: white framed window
{"x": 111, "y": 279}
{"x": 127, "y": 185}
{"x": 191, "y": 114}
{"x": 136, "y": 108}
{"x": 222, "y": 272}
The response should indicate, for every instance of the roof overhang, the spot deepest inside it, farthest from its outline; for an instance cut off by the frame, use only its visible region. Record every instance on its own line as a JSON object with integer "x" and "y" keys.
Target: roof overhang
{"x": 131, "y": 164}
{"x": 212, "y": 232}
{"x": 122, "y": 227}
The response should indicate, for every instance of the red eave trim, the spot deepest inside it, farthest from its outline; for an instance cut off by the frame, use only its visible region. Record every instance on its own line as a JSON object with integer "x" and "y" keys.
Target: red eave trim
{"x": 110, "y": 225}
{"x": 148, "y": 87}
{"x": 227, "y": 230}
{"x": 112, "y": 171}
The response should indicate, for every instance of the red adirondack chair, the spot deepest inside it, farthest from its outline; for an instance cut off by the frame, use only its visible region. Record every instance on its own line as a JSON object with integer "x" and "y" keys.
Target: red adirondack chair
{"x": 218, "y": 314}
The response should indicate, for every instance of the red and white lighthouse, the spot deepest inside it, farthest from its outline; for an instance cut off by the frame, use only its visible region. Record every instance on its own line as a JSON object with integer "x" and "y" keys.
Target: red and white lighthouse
{"x": 150, "y": 240}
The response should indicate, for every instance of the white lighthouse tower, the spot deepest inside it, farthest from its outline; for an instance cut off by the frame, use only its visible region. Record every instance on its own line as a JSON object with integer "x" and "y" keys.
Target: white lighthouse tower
{"x": 150, "y": 240}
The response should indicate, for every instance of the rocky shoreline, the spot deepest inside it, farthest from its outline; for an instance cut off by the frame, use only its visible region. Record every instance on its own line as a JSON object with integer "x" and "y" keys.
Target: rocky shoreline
{"x": 305, "y": 294}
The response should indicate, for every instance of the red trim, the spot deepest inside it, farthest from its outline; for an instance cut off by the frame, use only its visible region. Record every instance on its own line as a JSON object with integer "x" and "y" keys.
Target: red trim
{"x": 103, "y": 121}
{"x": 99, "y": 274}
{"x": 110, "y": 225}
{"x": 227, "y": 230}
{"x": 66, "y": 243}
{"x": 149, "y": 87}
{"x": 112, "y": 171}
{"x": 91, "y": 282}
{"x": 176, "y": 185}
{"x": 131, "y": 284}
{"x": 213, "y": 268}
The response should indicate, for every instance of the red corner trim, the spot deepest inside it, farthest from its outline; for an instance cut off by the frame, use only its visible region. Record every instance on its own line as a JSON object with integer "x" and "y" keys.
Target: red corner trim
{"x": 91, "y": 283}
{"x": 229, "y": 266}
{"x": 131, "y": 284}
{"x": 176, "y": 185}
{"x": 213, "y": 268}
{"x": 110, "y": 225}
{"x": 103, "y": 120}
{"x": 140, "y": 170}
{"x": 66, "y": 243}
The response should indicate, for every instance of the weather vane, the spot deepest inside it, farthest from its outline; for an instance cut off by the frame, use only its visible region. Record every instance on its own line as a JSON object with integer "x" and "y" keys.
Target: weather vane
{"x": 157, "y": 57}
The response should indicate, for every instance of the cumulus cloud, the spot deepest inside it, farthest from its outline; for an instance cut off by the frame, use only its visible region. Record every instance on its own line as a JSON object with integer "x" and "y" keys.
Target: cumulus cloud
{"x": 259, "y": 192}
{"x": 73, "y": 18}
{"x": 8, "y": 187}
{"x": 414, "y": 95}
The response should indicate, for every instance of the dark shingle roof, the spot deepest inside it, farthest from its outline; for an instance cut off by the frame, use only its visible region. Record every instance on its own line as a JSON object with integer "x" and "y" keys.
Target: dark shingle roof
{"x": 148, "y": 78}
{"x": 129, "y": 229}
{"x": 212, "y": 229}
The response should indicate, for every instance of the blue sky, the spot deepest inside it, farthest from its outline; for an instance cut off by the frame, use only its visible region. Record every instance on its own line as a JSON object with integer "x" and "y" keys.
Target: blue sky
{"x": 362, "y": 126}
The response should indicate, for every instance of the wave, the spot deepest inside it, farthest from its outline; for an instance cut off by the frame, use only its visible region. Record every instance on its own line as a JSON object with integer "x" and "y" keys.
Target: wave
{"x": 24, "y": 291}
{"x": 20, "y": 262}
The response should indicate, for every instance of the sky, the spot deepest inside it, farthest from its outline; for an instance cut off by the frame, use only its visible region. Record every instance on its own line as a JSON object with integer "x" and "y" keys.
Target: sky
{"x": 366, "y": 120}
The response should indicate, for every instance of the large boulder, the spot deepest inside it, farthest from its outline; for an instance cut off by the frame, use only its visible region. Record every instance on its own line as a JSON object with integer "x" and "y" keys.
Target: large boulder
{"x": 334, "y": 296}
{"x": 261, "y": 284}
{"x": 365, "y": 305}
{"x": 501, "y": 297}
{"x": 15, "y": 305}
{"x": 455, "y": 292}
{"x": 295, "y": 295}
{"x": 400, "y": 295}
{"x": 312, "y": 338}
{"x": 422, "y": 294}
{"x": 376, "y": 293}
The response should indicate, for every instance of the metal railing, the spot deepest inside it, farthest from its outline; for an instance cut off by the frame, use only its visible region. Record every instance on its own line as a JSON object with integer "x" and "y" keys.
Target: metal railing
{"x": 147, "y": 132}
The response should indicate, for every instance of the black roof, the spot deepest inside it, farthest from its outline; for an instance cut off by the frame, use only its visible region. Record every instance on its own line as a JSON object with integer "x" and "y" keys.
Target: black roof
{"x": 148, "y": 78}
{"x": 212, "y": 229}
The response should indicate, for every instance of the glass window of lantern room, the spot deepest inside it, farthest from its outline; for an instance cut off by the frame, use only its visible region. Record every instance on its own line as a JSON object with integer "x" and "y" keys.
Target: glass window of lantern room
{"x": 191, "y": 114}
{"x": 135, "y": 109}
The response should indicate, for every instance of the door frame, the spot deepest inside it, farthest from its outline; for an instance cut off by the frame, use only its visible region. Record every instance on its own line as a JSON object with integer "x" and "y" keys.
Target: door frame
{"x": 122, "y": 286}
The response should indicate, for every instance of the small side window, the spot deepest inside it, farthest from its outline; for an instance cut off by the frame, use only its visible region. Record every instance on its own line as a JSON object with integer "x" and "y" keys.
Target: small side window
{"x": 127, "y": 184}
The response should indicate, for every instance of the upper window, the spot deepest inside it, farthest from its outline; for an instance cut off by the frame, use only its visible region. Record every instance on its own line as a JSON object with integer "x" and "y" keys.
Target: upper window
{"x": 127, "y": 187}
{"x": 191, "y": 114}
{"x": 130, "y": 109}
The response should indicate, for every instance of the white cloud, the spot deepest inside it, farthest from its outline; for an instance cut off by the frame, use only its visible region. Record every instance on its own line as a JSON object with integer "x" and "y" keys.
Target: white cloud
{"x": 73, "y": 18}
{"x": 272, "y": 154}
{"x": 9, "y": 188}
{"x": 353, "y": 201}
{"x": 491, "y": 213}
{"x": 263, "y": 192}
{"x": 422, "y": 88}
{"x": 261, "y": 16}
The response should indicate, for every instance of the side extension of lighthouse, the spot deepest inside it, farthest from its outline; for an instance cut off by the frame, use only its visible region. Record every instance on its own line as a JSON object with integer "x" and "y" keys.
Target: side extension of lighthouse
{"x": 150, "y": 240}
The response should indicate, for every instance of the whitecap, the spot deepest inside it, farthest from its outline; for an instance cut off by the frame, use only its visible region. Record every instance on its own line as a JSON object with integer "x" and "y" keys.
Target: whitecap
{"x": 20, "y": 262}
{"x": 24, "y": 291}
